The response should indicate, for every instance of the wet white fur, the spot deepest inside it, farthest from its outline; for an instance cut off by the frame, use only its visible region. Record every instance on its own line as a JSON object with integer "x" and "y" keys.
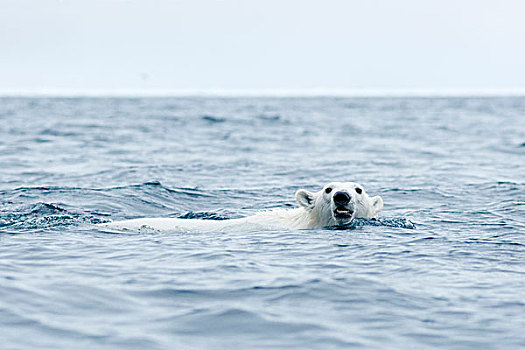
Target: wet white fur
{"x": 316, "y": 211}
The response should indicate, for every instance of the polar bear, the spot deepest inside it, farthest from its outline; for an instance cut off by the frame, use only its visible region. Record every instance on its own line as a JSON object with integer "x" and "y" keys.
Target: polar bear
{"x": 338, "y": 203}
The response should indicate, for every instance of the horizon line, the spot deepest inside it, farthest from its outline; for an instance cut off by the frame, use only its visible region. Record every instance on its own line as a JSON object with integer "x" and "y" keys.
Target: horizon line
{"x": 424, "y": 92}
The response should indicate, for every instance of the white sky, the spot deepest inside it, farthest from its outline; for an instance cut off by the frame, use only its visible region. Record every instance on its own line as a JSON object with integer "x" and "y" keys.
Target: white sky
{"x": 267, "y": 44}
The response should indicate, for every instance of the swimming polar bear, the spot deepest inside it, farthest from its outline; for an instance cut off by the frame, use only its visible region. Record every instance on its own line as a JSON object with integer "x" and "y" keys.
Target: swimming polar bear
{"x": 338, "y": 203}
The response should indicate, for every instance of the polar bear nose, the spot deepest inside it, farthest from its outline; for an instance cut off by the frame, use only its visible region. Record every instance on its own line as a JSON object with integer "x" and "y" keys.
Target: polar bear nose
{"x": 341, "y": 198}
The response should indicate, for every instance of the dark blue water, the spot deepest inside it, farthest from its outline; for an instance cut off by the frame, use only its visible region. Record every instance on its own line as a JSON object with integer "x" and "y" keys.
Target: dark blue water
{"x": 453, "y": 166}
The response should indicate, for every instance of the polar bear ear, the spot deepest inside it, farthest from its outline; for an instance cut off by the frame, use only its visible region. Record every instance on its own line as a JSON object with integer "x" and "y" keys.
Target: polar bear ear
{"x": 305, "y": 199}
{"x": 377, "y": 204}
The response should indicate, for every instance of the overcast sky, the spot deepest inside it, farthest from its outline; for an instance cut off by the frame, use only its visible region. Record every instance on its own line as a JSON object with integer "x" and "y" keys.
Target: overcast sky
{"x": 267, "y": 44}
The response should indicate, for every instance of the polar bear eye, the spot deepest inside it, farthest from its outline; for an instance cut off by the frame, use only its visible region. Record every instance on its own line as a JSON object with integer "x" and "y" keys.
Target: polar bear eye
{"x": 358, "y": 190}
{"x": 328, "y": 190}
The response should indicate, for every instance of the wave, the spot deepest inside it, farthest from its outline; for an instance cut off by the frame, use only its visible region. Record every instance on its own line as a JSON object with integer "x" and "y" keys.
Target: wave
{"x": 192, "y": 192}
{"x": 213, "y": 119}
{"x": 203, "y": 216}
{"x": 387, "y": 222}
{"x": 44, "y": 215}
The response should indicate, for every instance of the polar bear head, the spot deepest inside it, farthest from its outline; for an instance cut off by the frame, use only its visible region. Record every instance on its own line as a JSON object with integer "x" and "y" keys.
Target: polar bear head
{"x": 338, "y": 203}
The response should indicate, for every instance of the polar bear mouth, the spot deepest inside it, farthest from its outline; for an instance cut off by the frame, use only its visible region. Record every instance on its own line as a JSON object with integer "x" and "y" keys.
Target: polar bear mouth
{"x": 343, "y": 213}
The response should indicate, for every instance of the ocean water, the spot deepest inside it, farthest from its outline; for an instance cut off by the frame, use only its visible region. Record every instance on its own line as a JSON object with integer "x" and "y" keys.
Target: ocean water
{"x": 452, "y": 166}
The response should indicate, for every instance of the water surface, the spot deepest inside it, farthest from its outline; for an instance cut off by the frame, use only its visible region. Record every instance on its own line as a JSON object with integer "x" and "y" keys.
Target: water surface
{"x": 453, "y": 166}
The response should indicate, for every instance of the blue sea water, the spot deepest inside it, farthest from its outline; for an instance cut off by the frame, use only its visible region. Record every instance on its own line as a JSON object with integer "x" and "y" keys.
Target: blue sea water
{"x": 453, "y": 166}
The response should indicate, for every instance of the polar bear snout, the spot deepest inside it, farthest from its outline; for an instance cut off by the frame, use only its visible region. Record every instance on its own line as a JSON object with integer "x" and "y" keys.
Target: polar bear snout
{"x": 342, "y": 207}
{"x": 341, "y": 198}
